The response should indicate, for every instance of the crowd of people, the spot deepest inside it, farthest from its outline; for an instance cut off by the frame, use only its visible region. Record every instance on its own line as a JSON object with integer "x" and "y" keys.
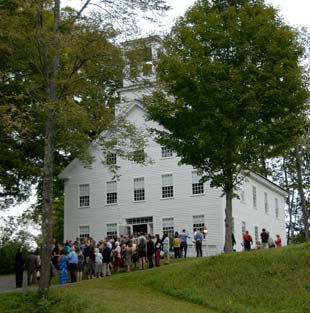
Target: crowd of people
{"x": 266, "y": 241}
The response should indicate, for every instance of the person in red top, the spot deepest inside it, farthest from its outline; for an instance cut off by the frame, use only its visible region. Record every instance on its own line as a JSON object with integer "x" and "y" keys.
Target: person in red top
{"x": 247, "y": 240}
{"x": 278, "y": 241}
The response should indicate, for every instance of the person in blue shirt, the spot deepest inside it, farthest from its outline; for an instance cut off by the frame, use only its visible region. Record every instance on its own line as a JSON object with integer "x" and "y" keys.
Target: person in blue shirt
{"x": 198, "y": 236}
{"x": 72, "y": 264}
{"x": 183, "y": 237}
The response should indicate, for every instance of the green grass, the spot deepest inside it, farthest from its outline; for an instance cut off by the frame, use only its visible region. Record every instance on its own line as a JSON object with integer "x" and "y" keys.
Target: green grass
{"x": 264, "y": 281}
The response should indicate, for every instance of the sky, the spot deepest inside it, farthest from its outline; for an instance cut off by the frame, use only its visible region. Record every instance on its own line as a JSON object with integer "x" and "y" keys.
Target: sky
{"x": 294, "y": 12}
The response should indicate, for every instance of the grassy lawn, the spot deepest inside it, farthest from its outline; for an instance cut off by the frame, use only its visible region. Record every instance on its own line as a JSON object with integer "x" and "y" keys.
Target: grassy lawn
{"x": 265, "y": 281}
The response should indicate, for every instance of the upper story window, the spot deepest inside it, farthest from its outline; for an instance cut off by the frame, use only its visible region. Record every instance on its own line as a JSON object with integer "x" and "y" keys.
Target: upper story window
{"x": 166, "y": 152}
{"x": 138, "y": 187}
{"x": 254, "y": 197}
{"x": 197, "y": 185}
{"x": 266, "y": 202}
{"x": 111, "y": 158}
{"x": 139, "y": 156}
{"x": 84, "y": 231}
{"x": 276, "y": 203}
{"x": 167, "y": 185}
{"x": 111, "y": 192}
{"x": 84, "y": 191}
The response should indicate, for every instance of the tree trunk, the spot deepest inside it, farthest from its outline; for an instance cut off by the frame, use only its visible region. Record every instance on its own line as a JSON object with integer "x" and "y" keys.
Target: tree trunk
{"x": 228, "y": 221}
{"x": 50, "y": 80}
{"x": 301, "y": 191}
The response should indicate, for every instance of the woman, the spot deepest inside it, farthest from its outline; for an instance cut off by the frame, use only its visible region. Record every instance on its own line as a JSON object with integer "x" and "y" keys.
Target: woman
{"x": 157, "y": 250}
{"x": 128, "y": 257}
{"x": 63, "y": 277}
{"x": 150, "y": 251}
{"x": 166, "y": 247}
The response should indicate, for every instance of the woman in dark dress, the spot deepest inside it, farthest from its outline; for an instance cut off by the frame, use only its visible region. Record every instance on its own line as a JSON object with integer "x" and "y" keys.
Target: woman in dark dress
{"x": 19, "y": 267}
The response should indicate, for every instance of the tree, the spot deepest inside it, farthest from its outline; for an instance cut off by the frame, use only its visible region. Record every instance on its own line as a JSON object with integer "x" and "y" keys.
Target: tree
{"x": 66, "y": 68}
{"x": 231, "y": 91}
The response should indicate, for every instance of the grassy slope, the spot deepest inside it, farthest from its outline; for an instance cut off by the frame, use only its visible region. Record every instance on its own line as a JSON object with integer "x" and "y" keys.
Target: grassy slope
{"x": 276, "y": 280}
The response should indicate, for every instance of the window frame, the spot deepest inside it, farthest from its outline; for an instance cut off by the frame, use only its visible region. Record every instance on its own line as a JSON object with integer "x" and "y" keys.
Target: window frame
{"x": 84, "y": 197}
{"x": 111, "y": 195}
{"x": 138, "y": 193}
{"x": 167, "y": 192}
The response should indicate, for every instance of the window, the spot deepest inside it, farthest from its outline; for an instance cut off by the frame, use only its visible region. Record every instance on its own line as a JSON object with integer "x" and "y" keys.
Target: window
{"x": 111, "y": 230}
{"x": 84, "y": 196}
{"x": 111, "y": 158}
{"x": 84, "y": 231}
{"x": 243, "y": 227}
{"x": 197, "y": 186}
{"x": 256, "y": 233}
{"x": 198, "y": 222}
{"x": 254, "y": 197}
{"x": 167, "y": 186}
{"x": 266, "y": 202}
{"x": 138, "y": 186}
{"x": 168, "y": 227}
{"x": 166, "y": 152}
{"x": 276, "y": 202}
{"x": 139, "y": 155}
{"x": 111, "y": 192}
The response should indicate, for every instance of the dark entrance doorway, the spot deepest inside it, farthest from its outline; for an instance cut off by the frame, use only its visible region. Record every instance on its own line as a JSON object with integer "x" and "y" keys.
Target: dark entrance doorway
{"x": 139, "y": 228}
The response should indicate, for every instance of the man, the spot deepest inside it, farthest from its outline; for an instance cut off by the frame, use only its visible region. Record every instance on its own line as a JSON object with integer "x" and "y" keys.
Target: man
{"x": 72, "y": 264}
{"x": 183, "y": 237}
{"x": 198, "y": 236}
{"x": 264, "y": 236}
{"x": 141, "y": 245}
{"x": 31, "y": 266}
{"x": 247, "y": 240}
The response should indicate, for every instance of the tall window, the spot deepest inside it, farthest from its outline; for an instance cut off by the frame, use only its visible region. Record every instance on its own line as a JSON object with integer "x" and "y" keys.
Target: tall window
{"x": 167, "y": 185}
{"x": 198, "y": 222}
{"x": 166, "y": 152}
{"x": 111, "y": 230}
{"x": 111, "y": 158}
{"x": 256, "y": 233}
{"x": 111, "y": 192}
{"x": 266, "y": 202}
{"x": 138, "y": 186}
{"x": 84, "y": 231}
{"x": 243, "y": 227}
{"x": 84, "y": 195}
{"x": 168, "y": 226}
{"x": 276, "y": 203}
{"x": 197, "y": 186}
{"x": 254, "y": 197}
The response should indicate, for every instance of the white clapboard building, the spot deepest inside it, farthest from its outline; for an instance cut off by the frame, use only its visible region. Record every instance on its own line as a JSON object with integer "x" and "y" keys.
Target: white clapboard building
{"x": 162, "y": 197}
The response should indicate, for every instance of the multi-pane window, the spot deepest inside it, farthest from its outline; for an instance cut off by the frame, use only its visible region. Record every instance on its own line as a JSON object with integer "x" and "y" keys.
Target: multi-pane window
{"x": 276, "y": 203}
{"x": 84, "y": 231}
{"x": 139, "y": 191}
{"x": 84, "y": 195}
{"x": 256, "y": 233}
{"x": 254, "y": 197}
{"x": 139, "y": 156}
{"x": 111, "y": 158}
{"x": 167, "y": 185}
{"x": 111, "y": 192}
{"x": 243, "y": 227}
{"x": 198, "y": 222}
{"x": 266, "y": 202}
{"x": 111, "y": 230}
{"x": 166, "y": 152}
{"x": 197, "y": 185}
{"x": 168, "y": 226}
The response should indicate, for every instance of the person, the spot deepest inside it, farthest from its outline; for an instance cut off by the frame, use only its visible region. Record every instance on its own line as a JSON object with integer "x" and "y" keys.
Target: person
{"x": 264, "y": 236}
{"x": 141, "y": 244}
{"x": 176, "y": 244}
{"x": 198, "y": 236}
{"x": 247, "y": 240}
{"x": 128, "y": 256}
{"x": 271, "y": 243}
{"x": 19, "y": 267}
{"x": 72, "y": 264}
{"x": 31, "y": 266}
{"x": 117, "y": 257}
{"x": 150, "y": 249}
{"x": 63, "y": 276}
{"x": 106, "y": 258}
{"x": 158, "y": 247}
{"x": 98, "y": 263}
{"x": 183, "y": 248}
{"x": 166, "y": 247}
{"x": 233, "y": 240}
{"x": 278, "y": 241}
{"x": 80, "y": 264}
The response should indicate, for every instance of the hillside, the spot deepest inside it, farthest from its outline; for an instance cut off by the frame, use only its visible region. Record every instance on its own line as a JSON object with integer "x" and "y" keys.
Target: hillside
{"x": 275, "y": 280}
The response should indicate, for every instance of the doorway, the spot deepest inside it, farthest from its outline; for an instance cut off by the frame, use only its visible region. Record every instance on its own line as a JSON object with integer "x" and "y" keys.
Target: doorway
{"x": 139, "y": 228}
